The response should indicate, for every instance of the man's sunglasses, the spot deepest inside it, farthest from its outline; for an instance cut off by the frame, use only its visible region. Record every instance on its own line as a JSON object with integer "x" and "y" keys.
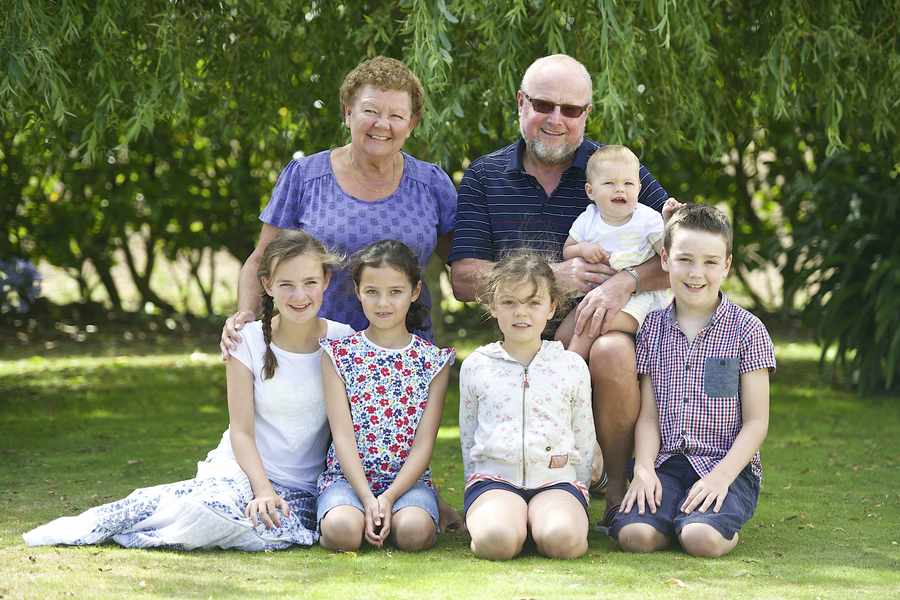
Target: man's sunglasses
{"x": 571, "y": 111}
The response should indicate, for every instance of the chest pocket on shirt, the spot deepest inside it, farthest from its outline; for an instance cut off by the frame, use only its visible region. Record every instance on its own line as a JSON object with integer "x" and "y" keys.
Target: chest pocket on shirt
{"x": 721, "y": 377}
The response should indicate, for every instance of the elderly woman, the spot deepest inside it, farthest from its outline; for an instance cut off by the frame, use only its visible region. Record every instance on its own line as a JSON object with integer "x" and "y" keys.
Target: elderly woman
{"x": 366, "y": 191}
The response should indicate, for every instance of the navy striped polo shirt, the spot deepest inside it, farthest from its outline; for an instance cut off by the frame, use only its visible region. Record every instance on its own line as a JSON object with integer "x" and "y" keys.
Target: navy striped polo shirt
{"x": 502, "y": 208}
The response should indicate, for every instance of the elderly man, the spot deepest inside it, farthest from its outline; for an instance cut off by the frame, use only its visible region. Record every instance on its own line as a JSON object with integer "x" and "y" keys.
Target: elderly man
{"x": 527, "y": 195}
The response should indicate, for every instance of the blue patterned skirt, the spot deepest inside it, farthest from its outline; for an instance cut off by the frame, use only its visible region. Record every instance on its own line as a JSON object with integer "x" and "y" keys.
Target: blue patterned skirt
{"x": 205, "y": 512}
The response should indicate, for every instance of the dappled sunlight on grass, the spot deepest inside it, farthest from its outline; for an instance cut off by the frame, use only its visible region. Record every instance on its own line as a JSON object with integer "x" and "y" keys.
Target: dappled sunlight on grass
{"x": 78, "y": 431}
{"x": 448, "y": 433}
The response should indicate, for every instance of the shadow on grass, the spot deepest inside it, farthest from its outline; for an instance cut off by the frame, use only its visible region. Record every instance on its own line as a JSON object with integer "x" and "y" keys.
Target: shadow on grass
{"x": 78, "y": 432}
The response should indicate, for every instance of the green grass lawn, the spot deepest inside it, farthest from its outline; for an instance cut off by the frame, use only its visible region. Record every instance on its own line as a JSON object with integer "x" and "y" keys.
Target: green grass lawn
{"x": 78, "y": 430}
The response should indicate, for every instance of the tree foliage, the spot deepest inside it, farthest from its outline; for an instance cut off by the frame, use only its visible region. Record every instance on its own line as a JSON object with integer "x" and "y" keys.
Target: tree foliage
{"x": 168, "y": 120}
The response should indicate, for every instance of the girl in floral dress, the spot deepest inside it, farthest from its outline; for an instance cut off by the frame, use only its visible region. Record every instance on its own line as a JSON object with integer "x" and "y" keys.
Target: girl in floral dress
{"x": 384, "y": 393}
{"x": 525, "y": 424}
{"x": 257, "y": 490}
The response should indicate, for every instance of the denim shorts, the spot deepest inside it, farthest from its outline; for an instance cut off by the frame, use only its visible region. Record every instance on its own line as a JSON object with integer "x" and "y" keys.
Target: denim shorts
{"x": 677, "y": 476}
{"x": 340, "y": 493}
{"x": 479, "y": 487}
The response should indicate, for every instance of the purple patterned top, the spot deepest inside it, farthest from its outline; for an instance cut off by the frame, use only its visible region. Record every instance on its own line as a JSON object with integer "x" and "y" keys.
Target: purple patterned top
{"x": 308, "y": 197}
{"x": 387, "y": 390}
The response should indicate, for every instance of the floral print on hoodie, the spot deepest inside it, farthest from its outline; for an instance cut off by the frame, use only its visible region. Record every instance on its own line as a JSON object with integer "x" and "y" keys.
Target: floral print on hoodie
{"x": 530, "y": 426}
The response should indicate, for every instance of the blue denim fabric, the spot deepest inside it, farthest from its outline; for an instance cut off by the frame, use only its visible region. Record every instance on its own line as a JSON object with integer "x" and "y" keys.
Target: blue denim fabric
{"x": 677, "y": 476}
{"x": 340, "y": 493}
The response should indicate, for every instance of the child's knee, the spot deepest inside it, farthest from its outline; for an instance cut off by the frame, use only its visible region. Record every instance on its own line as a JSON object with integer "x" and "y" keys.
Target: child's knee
{"x": 496, "y": 541}
{"x": 641, "y": 537}
{"x": 413, "y": 531}
{"x": 342, "y": 529}
{"x": 614, "y": 354}
{"x": 560, "y": 541}
{"x": 700, "y": 539}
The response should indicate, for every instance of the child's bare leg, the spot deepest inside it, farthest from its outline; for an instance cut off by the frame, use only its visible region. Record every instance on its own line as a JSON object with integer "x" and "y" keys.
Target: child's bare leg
{"x": 700, "y": 539}
{"x": 598, "y": 483}
{"x": 580, "y": 344}
{"x": 623, "y": 322}
{"x": 448, "y": 517}
{"x": 559, "y": 524}
{"x": 498, "y": 524}
{"x": 641, "y": 537}
{"x": 343, "y": 528}
{"x": 412, "y": 529}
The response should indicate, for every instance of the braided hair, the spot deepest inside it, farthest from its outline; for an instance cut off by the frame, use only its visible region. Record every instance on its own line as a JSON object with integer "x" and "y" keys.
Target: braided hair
{"x": 397, "y": 255}
{"x": 286, "y": 245}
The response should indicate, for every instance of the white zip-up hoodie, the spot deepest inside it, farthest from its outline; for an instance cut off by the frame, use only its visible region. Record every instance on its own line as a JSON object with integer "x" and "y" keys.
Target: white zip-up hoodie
{"x": 527, "y": 425}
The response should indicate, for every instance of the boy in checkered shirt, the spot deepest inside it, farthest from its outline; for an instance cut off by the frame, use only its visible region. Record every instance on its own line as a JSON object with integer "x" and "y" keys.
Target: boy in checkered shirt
{"x": 704, "y": 367}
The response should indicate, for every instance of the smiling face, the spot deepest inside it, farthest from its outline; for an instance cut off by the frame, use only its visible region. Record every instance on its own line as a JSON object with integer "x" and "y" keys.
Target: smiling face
{"x": 552, "y": 138}
{"x": 697, "y": 263}
{"x": 613, "y": 186}
{"x": 297, "y": 286}
{"x": 386, "y": 294}
{"x": 522, "y": 311}
{"x": 379, "y": 121}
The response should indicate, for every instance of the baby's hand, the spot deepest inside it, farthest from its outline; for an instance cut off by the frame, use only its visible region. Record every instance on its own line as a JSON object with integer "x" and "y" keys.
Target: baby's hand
{"x": 594, "y": 253}
{"x": 670, "y": 207}
{"x": 645, "y": 489}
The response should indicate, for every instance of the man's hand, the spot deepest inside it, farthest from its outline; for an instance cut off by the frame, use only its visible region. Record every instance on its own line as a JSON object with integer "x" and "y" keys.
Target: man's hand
{"x": 230, "y": 336}
{"x": 600, "y": 305}
{"x": 578, "y": 274}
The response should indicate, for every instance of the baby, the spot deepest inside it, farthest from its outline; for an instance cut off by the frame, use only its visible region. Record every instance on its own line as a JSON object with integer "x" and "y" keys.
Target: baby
{"x": 618, "y": 230}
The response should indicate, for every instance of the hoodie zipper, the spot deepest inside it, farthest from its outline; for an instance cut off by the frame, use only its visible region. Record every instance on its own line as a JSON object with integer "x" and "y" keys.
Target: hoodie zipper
{"x": 524, "y": 389}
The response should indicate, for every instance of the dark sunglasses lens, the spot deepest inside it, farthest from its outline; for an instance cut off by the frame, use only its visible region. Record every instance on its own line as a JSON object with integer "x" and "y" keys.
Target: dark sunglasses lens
{"x": 542, "y": 106}
{"x": 571, "y": 111}
{"x": 546, "y": 107}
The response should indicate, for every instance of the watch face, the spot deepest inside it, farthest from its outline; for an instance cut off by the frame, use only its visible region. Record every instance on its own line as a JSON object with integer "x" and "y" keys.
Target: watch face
{"x": 637, "y": 279}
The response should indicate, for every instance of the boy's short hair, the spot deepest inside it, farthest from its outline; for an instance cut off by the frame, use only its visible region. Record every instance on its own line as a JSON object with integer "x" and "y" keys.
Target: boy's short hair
{"x": 610, "y": 153}
{"x": 699, "y": 217}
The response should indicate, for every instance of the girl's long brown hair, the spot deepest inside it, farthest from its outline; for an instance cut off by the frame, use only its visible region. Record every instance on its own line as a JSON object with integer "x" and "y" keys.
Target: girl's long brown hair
{"x": 286, "y": 245}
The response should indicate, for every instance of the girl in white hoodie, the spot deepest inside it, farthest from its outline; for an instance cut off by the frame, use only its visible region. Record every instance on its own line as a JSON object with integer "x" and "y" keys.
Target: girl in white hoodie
{"x": 525, "y": 424}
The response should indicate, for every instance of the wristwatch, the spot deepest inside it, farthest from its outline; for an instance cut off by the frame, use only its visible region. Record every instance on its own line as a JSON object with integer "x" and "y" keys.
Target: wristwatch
{"x": 637, "y": 278}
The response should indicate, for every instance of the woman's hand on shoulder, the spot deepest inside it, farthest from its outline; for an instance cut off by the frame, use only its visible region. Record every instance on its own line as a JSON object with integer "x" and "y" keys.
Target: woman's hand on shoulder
{"x": 230, "y": 336}
{"x": 265, "y": 508}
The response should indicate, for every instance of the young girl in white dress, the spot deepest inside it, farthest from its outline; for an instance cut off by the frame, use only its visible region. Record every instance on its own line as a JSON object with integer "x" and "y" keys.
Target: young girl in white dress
{"x": 257, "y": 490}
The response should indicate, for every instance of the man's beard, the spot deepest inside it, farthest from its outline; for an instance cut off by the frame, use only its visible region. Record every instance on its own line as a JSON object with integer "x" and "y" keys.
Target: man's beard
{"x": 556, "y": 155}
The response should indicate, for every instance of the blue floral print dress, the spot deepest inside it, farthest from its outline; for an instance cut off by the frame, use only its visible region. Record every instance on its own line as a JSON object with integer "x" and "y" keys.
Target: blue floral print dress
{"x": 387, "y": 390}
{"x": 291, "y": 434}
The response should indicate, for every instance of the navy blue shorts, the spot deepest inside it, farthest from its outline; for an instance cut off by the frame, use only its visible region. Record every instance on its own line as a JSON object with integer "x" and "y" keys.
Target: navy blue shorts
{"x": 677, "y": 476}
{"x": 479, "y": 487}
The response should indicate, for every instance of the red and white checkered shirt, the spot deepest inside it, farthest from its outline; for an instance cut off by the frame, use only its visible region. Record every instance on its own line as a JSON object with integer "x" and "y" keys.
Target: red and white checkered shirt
{"x": 697, "y": 384}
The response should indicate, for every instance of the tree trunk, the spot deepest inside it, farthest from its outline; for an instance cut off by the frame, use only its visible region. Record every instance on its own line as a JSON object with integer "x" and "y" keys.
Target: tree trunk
{"x": 103, "y": 268}
{"x": 142, "y": 280}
